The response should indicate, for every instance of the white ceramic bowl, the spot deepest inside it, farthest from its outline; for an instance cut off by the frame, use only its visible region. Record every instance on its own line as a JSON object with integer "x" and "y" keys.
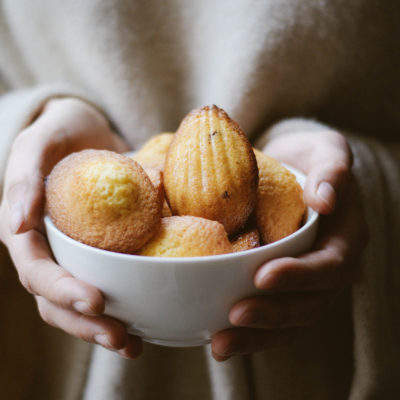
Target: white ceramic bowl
{"x": 174, "y": 301}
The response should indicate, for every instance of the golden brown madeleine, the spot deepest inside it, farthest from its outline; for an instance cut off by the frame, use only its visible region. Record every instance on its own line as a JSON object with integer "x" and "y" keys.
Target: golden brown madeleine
{"x": 153, "y": 152}
{"x": 166, "y": 211}
{"x": 246, "y": 240}
{"x": 280, "y": 205}
{"x": 187, "y": 237}
{"x": 103, "y": 199}
{"x": 210, "y": 169}
{"x": 156, "y": 177}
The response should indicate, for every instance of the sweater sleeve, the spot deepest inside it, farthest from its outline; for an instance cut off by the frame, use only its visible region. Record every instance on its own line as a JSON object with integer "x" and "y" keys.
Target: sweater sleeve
{"x": 19, "y": 108}
{"x": 376, "y": 300}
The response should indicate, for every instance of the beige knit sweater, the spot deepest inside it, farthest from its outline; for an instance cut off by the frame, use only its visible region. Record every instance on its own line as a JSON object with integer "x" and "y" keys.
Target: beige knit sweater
{"x": 146, "y": 64}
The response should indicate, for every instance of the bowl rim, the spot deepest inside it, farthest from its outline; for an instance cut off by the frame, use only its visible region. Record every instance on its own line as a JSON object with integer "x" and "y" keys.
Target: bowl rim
{"x": 312, "y": 218}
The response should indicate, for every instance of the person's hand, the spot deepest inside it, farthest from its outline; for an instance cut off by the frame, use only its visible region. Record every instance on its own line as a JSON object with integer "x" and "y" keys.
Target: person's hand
{"x": 299, "y": 289}
{"x": 64, "y": 126}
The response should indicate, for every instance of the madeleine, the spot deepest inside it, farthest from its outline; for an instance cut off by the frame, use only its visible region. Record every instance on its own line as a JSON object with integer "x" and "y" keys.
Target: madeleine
{"x": 280, "y": 206}
{"x": 246, "y": 240}
{"x": 187, "y": 237}
{"x": 210, "y": 169}
{"x": 152, "y": 154}
{"x": 103, "y": 199}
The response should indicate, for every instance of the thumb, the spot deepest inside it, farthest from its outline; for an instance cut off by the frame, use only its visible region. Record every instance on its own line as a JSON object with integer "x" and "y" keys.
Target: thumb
{"x": 31, "y": 158}
{"x": 26, "y": 202}
{"x": 325, "y": 157}
{"x": 325, "y": 184}
{"x": 65, "y": 125}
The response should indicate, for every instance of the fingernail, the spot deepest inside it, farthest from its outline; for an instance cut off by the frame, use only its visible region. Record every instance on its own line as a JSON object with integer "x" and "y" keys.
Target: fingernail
{"x": 83, "y": 307}
{"x": 133, "y": 348}
{"x": 327, "y": 194}
{"x": 220, "y": 358}
{"x": 17, "y": 217}
{"x": 103, "y": 340}
{"x": 126, "y": 354}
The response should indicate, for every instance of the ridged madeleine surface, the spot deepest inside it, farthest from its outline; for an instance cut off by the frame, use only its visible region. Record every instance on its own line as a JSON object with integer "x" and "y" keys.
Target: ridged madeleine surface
{"x": 187, "y": 237}
{"x": 280, "y": 206}
{"x": 210, "y": 169}
{"x": 103, "y": 199}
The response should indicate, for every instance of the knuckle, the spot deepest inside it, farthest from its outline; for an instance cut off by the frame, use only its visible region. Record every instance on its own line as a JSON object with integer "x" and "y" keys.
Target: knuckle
{"x": 45, "y": 312}
{"x": 340, "y": 141}
{"x": 337, "y": 259}
{"x": 25, "y": 279}
{"x": 59, "y": 282}
{"x": 56, "y": 290}
{"x": 338, "y": 267}
{"x": 54, "y": 145}
{"x": 82, "y": 331}
{"x": 341, "y": 169}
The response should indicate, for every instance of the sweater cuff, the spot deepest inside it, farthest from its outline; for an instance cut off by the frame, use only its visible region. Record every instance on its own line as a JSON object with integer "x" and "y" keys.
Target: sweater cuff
{"x": 19, "y": 108}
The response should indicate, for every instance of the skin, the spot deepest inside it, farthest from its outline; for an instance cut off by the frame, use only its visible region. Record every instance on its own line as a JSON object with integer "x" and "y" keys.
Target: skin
{"x": 297, "y": 290}
{"x": 64, "y": 126}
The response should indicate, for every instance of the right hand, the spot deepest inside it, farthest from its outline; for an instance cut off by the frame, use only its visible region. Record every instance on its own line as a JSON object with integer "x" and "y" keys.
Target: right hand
{"x": 298, "y": 290}
{"x": 64, "y": 126}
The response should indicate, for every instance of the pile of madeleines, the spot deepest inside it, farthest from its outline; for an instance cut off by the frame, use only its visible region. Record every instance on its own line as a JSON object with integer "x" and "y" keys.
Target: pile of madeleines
{"x": 200, "y": 191}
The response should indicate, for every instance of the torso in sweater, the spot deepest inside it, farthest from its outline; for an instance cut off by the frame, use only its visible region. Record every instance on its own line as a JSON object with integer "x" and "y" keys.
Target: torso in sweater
{"x": 149, "y": 62}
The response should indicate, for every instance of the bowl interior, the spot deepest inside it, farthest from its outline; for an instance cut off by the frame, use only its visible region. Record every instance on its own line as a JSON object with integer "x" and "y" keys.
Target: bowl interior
{"x": 174, "y": 301}
{"x": 311, "y": 218}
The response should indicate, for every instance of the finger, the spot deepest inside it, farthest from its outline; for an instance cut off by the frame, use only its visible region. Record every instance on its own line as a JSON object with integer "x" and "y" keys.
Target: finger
{"x": 279, "y": 311}
{"x": 66, "y": 126}
{"x": 318, "y": 270}
{"x": 40, "y": 275}
{"x": 328, "y": 172}
{"x": 238, "y": 341}
{"x": 324, "y": 156}
{"x": 333, "y": 264}
{"x": 325, "y": 184}
{"x": 86, "y": 126}
{"x": 102, "y": 330}
{"x": 31, "y": 159}
{"x": 133, "y": 348}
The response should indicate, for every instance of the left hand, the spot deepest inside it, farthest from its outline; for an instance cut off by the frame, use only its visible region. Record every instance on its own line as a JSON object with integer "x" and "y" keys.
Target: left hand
{"x": 298, "y": 289}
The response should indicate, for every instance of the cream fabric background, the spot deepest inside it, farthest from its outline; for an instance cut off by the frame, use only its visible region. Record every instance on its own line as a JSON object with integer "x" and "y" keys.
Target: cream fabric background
{"x": 146, "y": 64}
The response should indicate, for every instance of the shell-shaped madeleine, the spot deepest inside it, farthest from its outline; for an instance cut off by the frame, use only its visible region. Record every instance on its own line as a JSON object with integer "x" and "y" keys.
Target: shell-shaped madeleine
{"x": 210, "y": 169}
{"x": 156, "y": 177}
{"x": 152, "y": 153}
{"x": 246, "y": 240}
{"x": 187, "y": 237}
{"x": 103, "y": 199}
{"x": 280, "y": 206}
